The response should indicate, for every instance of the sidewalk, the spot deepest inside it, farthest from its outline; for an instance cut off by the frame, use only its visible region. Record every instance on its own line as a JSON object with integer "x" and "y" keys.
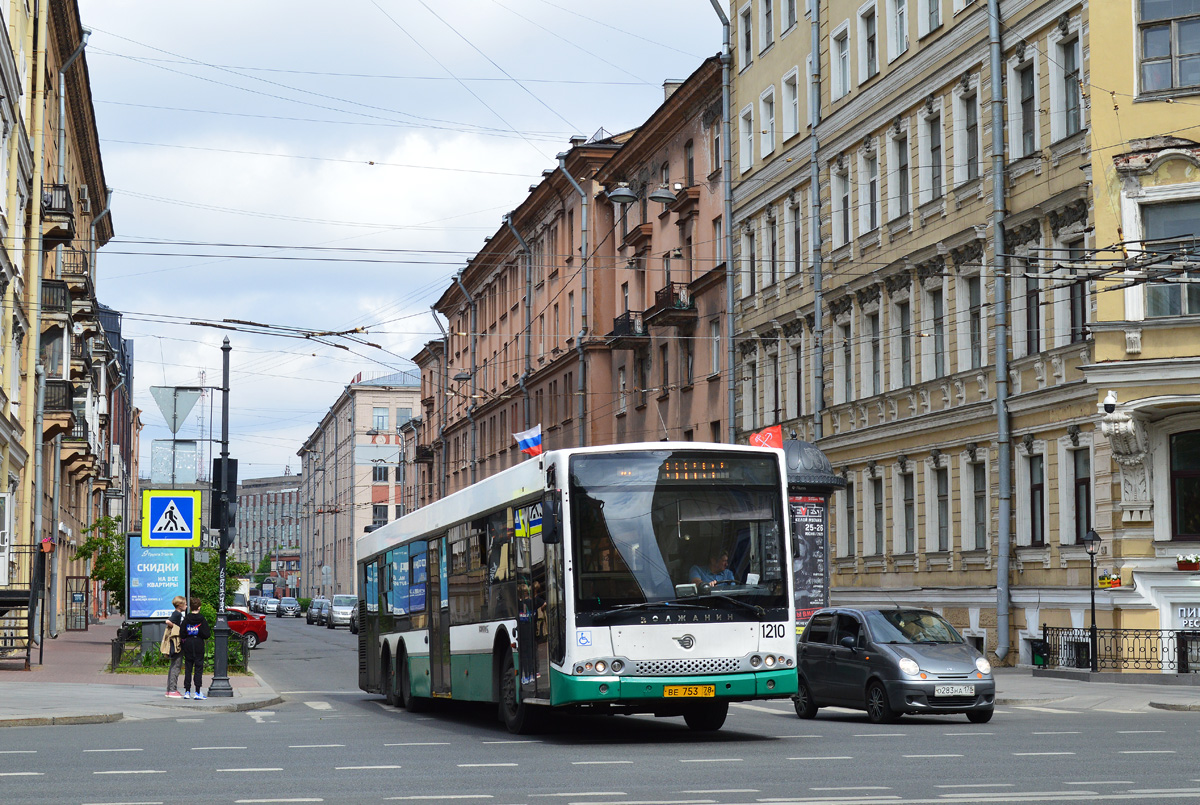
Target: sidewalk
{"x": 73, "y": 686}
{"x": 1081, "y": 690}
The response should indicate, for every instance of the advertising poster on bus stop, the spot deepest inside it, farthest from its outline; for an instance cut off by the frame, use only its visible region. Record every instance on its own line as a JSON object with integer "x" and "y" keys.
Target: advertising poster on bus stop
{"x": 153, "y": 576}
{"x": 809, "y": 515}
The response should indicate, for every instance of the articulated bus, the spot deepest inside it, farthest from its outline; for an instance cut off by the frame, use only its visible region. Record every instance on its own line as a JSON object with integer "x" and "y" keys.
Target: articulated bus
{"x": 638, "y": 578}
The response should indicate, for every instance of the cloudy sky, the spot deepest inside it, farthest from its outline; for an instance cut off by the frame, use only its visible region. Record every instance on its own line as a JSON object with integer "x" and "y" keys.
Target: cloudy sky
{"x": 320, "y": 166}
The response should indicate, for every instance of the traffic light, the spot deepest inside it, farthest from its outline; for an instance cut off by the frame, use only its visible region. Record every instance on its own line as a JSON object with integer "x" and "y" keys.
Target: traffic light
{"x": 223, "y": 516}
{"x": 229, "y": 531}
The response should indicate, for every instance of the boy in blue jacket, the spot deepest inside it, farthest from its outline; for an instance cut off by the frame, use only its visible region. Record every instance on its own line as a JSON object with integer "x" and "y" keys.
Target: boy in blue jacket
{"x": 195, "y": 632}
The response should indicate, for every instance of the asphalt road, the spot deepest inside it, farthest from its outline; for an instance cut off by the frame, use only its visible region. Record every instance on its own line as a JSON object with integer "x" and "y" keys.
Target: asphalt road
{"x": 331, "y": 743}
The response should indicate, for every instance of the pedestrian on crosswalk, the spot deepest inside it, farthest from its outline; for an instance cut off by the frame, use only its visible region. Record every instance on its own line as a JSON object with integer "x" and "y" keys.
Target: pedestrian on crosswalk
{"x": 195, "y": 633}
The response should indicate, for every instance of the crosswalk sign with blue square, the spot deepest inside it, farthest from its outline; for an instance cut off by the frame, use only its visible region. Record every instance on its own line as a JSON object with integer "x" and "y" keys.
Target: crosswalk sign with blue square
{"x": 170, "y": 518}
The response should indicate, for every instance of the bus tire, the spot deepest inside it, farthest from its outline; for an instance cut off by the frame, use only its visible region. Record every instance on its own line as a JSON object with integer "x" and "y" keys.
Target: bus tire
{"x": 707, "y": 717}
{"x": 520, "y": 718}
{"x": 388, "y": 676}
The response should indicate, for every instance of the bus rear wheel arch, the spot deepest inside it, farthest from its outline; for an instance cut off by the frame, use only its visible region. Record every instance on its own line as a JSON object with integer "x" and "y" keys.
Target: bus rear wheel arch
{"x": 387, "y": 678}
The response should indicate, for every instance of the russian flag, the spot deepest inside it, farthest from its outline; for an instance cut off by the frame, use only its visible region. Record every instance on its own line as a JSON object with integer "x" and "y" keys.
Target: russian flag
{"x": 530, "y": 441}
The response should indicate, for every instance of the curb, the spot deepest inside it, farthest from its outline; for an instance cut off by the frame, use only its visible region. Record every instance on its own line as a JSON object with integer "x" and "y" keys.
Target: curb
{"x": 1187, "y": 708}
{"x": 50, "y": 721}
{"x": 233, "y": 707}
{"x": 1028, "y": 702}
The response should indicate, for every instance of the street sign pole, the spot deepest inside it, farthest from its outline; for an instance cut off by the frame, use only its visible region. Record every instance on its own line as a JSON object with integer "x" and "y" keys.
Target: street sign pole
{"x": 220, "y": 686}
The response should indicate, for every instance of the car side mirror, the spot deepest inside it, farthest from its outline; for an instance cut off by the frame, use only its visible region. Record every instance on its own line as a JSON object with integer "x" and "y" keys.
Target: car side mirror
{"x": 848, "y": 642}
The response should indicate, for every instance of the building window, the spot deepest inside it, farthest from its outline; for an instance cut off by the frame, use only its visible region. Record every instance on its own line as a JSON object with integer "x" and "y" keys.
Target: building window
{"x": 877, "y": 503}
{"x": 750, "y": 396}
{"x": 747, "y": 38}
{"x": 1185, "y": 485}
{"x": 379, "y": 514}
{"x": 773, "y": 245}
{"x": 899, "y": 180}
{"x": 379, "y": 419}
{"x": 975, "y": 319}
{"x": 1083, "y": 493}
{"x": 621, "y": 390}
{"x": 876, "y": 355}
{"x": 714, "y": 340}
{"x": 798, "y": 380}
{"x": 1077, "y": 292}
{"x": 689, "y": 163}
{"x": 1033, "y": 307}
{"x": 379, "y": 475}
{"x": 1170, "y": 44}
{"x": 1037, "y": 501}
{"x": 773, "y": 387}
{"x": 851, "y": 520}
{"x": 841, "y": 64}
{"x": 942, "y": 479}
{"x": 868, "y": 33}
{"x": 934, "y": 129}
{"x": 749, "y": 264}
{"x": 795, "y": 239}
{"x": 1069, "y": 59}
{"x": 933, "y": 15}
{"x": 847, "y": 363}
{"x": 869, "y": 206}
{"x": 767, "y": 108}
{"x": 1161, "y": 222}
{"x": 841, "y": 208}
{"x": 897, "y": 28}
{"x": 937, "y": 307}
{"x": 910, "y": 512}
{"x": 904, "y": 314}
{"x": 1027, "y": 109}
{"x": 768, "y": 24}
{"x": 791, "y": 104}
{"x": 790, "y": 8}
{"x": 746, "y": 157}
{"x": 686, "y": 360}
{"x": 979, "y": 485}
{"x": 970, "y": 110}
{"x": 664, "y": 369}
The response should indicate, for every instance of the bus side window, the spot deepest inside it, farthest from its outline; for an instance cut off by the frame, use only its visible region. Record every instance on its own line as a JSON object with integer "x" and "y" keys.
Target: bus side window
{"x": 501, "y": 587}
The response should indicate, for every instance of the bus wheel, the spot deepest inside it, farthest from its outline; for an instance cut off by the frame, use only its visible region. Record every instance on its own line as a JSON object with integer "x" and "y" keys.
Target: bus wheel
{"x": 389, "y": 681}
{"x": 519, "y": 717}
{"x": 707, "y": 717}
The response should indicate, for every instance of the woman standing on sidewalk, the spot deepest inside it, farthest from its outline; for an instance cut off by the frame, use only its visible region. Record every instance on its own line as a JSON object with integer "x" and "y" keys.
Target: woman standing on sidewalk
{"x": 195, "y": 633}
{"x": 174, "y": 628}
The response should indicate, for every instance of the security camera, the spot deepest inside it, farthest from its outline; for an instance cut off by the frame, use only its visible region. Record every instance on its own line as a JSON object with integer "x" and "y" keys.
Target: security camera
{"x": 1110, "y": 402}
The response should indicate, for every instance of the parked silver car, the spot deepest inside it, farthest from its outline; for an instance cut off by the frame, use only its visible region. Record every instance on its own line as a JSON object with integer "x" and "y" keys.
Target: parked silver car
{"x": 340, "y": 609}
{"x": 890, "y": 662}
{"x": 270, "y": 606}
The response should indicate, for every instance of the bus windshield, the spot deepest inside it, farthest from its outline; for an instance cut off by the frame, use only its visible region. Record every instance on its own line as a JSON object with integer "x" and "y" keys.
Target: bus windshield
{"x": 677, "y": 526}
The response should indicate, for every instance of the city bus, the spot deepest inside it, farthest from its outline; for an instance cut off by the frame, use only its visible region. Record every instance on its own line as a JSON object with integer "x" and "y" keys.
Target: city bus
{"x": 638, "y": 578}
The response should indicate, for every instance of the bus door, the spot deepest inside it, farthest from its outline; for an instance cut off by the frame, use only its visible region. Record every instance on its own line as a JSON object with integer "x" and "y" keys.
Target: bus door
{"x": 531, "y": 604}
{"x": 439, "y": 621}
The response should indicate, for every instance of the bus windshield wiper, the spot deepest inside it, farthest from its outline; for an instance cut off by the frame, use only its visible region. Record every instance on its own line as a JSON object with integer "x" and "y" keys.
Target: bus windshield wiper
{"x": 623, "y": 608}
{"x": 719, "y": 597}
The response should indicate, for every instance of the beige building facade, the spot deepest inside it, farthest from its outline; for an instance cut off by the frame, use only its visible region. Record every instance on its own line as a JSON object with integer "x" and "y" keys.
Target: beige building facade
{"x": 955, "y": 384}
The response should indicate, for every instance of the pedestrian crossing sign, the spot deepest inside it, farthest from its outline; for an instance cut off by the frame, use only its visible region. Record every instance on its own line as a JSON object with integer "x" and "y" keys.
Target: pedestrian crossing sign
{"x": 170, "y": 518}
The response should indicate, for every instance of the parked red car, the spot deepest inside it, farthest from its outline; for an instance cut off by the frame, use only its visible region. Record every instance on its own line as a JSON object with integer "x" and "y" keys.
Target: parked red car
{"x": 254, "y": 627}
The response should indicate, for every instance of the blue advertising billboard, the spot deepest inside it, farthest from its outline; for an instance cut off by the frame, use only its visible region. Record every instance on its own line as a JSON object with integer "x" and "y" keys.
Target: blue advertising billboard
{"x": 153, "y": 576}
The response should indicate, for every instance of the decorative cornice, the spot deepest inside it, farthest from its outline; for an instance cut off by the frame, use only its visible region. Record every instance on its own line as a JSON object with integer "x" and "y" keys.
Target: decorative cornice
{"x": 1027, "y": 232}
{"x": 841, "y": 305}
{"x": 897, "y": 282}
{"x": 1074, "y": 213}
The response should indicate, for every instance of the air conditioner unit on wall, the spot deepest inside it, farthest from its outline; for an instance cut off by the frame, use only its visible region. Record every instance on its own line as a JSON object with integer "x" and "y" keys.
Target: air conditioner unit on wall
{"x": 85, "y": 202}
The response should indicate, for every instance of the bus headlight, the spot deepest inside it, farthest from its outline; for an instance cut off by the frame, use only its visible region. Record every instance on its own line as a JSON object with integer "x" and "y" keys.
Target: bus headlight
{"x": 769, "y": 661}
{"x": 755, "y": 661}
{"x": 617, "y": 665}
{"x": 600, "y": 666}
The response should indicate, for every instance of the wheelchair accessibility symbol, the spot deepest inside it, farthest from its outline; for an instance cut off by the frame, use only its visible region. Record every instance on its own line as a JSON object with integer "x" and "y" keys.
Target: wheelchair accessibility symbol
{"x": 583, "y": 638}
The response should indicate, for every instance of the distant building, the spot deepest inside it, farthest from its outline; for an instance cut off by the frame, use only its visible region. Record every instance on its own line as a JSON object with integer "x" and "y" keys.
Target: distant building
{"x": 353, "y": 476}
{"x": 268, "y": 517}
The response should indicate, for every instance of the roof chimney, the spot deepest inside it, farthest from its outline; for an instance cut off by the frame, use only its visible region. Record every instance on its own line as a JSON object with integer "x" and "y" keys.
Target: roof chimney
{"x": 669, "y": 88}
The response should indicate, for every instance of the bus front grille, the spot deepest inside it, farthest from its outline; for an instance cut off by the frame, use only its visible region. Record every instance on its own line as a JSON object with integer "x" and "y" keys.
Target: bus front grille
{"x": 716, "y": 665}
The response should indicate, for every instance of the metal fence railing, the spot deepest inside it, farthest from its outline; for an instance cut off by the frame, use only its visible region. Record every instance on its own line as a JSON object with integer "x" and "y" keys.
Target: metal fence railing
{"x": 1156, "y": 650}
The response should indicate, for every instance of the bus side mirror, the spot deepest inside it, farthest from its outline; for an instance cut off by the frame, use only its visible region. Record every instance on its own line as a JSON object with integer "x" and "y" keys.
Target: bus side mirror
{"x": 551, "y": 518}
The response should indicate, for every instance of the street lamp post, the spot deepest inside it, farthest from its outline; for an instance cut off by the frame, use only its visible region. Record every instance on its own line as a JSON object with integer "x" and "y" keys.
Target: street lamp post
{"x": 1091, "y": 544}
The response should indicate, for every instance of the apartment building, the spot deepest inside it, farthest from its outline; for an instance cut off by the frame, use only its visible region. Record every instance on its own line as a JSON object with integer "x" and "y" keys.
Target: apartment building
{"x": 353, "y": 477}
{"x": 268, "y": 517}
{"x": 945, "y": 325}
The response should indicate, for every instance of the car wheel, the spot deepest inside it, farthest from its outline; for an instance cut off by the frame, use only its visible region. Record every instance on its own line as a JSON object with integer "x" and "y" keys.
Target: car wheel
{"x": 806, "y": 706}
{"x": 251, "y": 641}
{"x": 329, "y": 624}
{"x": 520, "y": 718}
{"x": 353, "y": 627}
{"x": 979, "y": 716}
{"x": 879, "y": 710}
{"x": 708, "y": 717}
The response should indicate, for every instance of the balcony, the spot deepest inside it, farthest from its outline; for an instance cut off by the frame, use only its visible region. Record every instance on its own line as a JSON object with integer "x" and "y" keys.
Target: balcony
{"x": 76, "y": 270}
{"x": 55, "y": 297}
{"x": 638, "y": 237}
{"x": 59, "y": 415}
{"x": 81, "y": 359}
{"x": 58, "y": 213}
{"x": 77, "y": 454}
{"x": 424, "y": 454}
{"x": 686, "y": 202}
{"x": 629, "y": 331}
{"x": 673, "y": 307}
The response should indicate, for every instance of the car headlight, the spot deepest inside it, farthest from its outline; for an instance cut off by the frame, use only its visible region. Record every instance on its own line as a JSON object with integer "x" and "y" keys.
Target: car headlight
{"x": 983, "y": 666}
{"x": 910, "y": 667}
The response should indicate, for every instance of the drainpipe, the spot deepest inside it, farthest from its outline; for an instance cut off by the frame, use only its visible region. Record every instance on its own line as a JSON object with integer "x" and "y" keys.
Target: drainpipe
{"x": 581, "y": 383}
{"x": 528, "y": 317}
{"x": 727, "y": 214}
{"x": 96, "y": 220}
{"x": 442, "y": 403}
{"x": 38, "y": 418}
{"x": 815, "y": 194}
{"x": 474, "y": 379}
{"x": 1003, "y": 437}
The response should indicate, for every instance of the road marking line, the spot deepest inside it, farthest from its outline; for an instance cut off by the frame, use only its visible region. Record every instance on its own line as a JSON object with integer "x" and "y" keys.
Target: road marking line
{"x": 1140, "y": 732}
{"x": 853, "y": 788}
{"x": 956, "y": 734}
{"x": 1147, "y": 751}
{"x": 823, "y": 757}
{"x": 18, "y": 751}
{"x": 112, "y": 750}
{"x": 881, "y": 735}
{"x": 712, "y": 760}
{"x": 132, "y": 771}
{"x": 976, "y": 785}
{"x": 320, "y": 705}
{"x": 1069, "y": 732}
{"x": 124, "y": 803}
{"x": 510, "y": 742}
{"x": 590, "y": 794}
{"x": 1039, "y": 754}
{"x": 355, "y": 768}
{"x": 294, "y": 799}
{"x": 261, "y": 768}
{"x": 422, "y": 743}
{"x": 601, "y": 762}
{"x": 921, "y": 756}
{"x": 723, "y": 791}
{"x": 482, "y": 765}
{"x": 22, "y": 774}
{"x": 773, "y": 710}
{"x": 798, "y": 736}
{"x": 1103, "y": 782}
{"x": 1042, "y": 709}
{"x": 190, "y": 720}
{"x": 206, "y": 748}
{"x": 443, "y": 796}
{"x": 317, "y": 746}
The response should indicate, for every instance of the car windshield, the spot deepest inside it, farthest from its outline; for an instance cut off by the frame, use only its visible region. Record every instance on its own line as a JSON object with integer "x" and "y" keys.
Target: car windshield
{"x": 287, "y": 600}
{"x": 344, "y": 600}
{"x": 911, "y": 626}
{"x": 672, "y": 525}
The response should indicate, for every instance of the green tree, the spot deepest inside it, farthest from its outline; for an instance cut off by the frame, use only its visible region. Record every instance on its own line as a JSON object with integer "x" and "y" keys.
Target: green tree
{"x": 206, "y": 581}
{"x": 264, "y": 570}
{"x": 105, "y": 548}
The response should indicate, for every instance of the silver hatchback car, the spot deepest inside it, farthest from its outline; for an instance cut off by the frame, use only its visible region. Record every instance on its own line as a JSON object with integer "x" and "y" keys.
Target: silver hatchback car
{"x": 890, "y": 662}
